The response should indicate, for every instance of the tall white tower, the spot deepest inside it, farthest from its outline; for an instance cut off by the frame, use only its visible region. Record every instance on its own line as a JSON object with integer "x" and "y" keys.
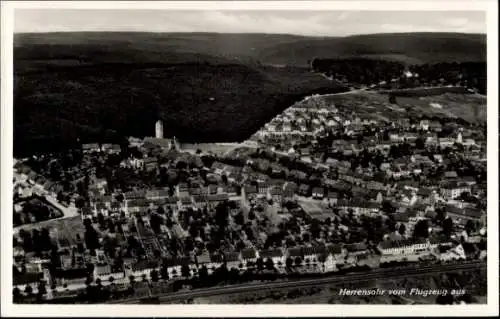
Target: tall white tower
{"x": 159, "y": 129}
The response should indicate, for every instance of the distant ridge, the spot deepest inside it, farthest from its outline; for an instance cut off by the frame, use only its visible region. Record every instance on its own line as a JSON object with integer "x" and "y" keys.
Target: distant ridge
{"x": 421, "y": 47}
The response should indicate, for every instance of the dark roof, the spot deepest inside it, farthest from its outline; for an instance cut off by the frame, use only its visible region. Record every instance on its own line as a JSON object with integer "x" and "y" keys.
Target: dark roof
{"x": 90, "y": 146}
{"x": 150, "y": 160}
{"x": 231, "y": 256}
{"x": 314, "y": 250}
{"x": 73, "y": 273}
{"x": 356, "y": 247}
{"x": 27, "y": 278}
{"x": 318, "y": 190}
{"x": 185, "y": 200}
{"x": 217, "y": 197}
{"x": 248, "y": 253}
{"x": 135, "y": 194}
{"x": 295, "y": 252}
{"x": 216, "y": 258}
{"x": 177, "y": 261}
{"x": 469, "y": 248}
{"x": 333, "y": 249}
{"x": 401, "y": 243}
{"x": 144, "y": 264}
{"x": 271, "y": 253}
{"x": 250, "y": 189}
{"x": 160, "y": 142}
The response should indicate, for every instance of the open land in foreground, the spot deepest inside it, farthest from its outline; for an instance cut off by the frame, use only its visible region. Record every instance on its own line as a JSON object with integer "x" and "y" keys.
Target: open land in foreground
{"x": 471, "y": 283}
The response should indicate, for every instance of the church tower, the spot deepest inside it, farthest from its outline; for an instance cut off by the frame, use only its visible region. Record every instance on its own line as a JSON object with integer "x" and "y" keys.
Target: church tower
{"x": 159, "y": 129}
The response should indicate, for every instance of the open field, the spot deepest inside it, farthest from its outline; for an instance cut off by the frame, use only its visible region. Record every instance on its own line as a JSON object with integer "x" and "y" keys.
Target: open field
{"x": 469, "y": 107}
{"x": 472, "y": 282}
{"x": 63, "y": 230}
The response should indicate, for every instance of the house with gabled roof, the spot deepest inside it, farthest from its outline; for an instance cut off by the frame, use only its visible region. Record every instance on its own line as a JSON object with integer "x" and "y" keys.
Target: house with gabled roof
{"x": 210, "y": 261}
{"x": 403, "y": 249}
{"x": 90, "y": 147}
{"x": 276, "y": 255}
{"x": 318, "y": 192}
{"x": 174, "y": 265}
{"x": 232, "y": 260}
{"x": 334, "y": 256}
{"x": 248, "y": 255}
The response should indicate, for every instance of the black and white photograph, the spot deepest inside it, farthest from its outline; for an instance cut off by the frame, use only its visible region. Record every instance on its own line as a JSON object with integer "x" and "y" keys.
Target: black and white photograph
{"x": 193, "y": 155}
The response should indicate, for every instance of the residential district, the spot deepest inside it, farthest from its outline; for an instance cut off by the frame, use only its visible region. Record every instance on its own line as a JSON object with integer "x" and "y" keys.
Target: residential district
{"x": 319, "y": 189}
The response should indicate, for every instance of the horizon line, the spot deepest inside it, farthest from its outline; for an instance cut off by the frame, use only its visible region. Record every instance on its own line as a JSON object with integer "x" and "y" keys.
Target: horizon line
{"x": 251, "y": 33}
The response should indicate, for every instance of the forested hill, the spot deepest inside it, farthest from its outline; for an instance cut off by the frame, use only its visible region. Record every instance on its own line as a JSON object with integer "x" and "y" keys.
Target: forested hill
{"x": 280, "y": 49}
{"x": 206, "y": 86}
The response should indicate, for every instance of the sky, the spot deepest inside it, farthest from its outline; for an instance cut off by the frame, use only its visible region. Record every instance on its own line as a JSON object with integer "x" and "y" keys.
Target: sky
{"x": 311, "y": 23}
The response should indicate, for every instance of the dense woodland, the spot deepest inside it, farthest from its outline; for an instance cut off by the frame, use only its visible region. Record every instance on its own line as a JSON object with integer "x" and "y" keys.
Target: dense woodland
{"x": 199, "y": 102}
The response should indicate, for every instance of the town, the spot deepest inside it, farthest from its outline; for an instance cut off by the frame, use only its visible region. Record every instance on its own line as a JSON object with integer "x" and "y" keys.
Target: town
{"x": 327, "y": 186}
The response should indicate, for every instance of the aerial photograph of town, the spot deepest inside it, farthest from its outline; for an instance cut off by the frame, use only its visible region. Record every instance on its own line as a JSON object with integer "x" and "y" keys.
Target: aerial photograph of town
{"x": 249, "y": 157}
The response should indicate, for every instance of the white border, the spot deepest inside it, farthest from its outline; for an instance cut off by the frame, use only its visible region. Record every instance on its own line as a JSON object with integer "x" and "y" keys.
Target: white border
{"x": 8, "y": 309}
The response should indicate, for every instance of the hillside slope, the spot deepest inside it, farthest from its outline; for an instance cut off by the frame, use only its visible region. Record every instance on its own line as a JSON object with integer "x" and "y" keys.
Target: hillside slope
{"x": 199, "y": 101}
{"x": 207, "y": 87}
{"x": 283, "y": 49}
{"x": 411, "y": 48}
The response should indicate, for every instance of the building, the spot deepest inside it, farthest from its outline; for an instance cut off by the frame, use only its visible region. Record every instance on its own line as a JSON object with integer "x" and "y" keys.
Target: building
{"x": 232, "y": 260}
{"x": 248, "y": 255}
{"x": 91, "y": 147}
{"x": 454, "y": 190}
{"x": 276, "y": 255}
{"x": 211, "y": 262}
{"x": 318, "y": 193}
{"x": 403, "y": 249}
{"x": 159, "y": 129}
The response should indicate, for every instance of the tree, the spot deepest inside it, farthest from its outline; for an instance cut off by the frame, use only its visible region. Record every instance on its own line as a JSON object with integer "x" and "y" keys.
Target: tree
{"x": 448, "y": 226}
{"x": 440, "y": 215}
{"x": 322, "y": 259}
{"x": 91, "y": 238}
{"x": 42, "y": 288}
{"x": 28, "y": 290}
{"x": 298, "y": 261}
{"x": 392, "y": 99}
{"x": 260, "y": 264}
{"x": 16, "y": 295}
{"x": 60, "y": 196}
{"x": 164, "y": 272}
{"x": 421, "y": 229}
{"x": 185, "y": 271}
{"x": 470, "y": 227}
{"x": 269, "y": 264}
{"x": 101, "y": 220}
{"x": 154, "y": 275}
{"x": 388, "y": 208}
{"x": 420, "y": 143}
{"x": 402, "y": 229}
{"x": 203, "y": 272}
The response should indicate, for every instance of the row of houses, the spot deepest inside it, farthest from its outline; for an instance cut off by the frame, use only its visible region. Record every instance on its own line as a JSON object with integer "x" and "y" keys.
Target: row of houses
{"x": 97, "y": 148}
